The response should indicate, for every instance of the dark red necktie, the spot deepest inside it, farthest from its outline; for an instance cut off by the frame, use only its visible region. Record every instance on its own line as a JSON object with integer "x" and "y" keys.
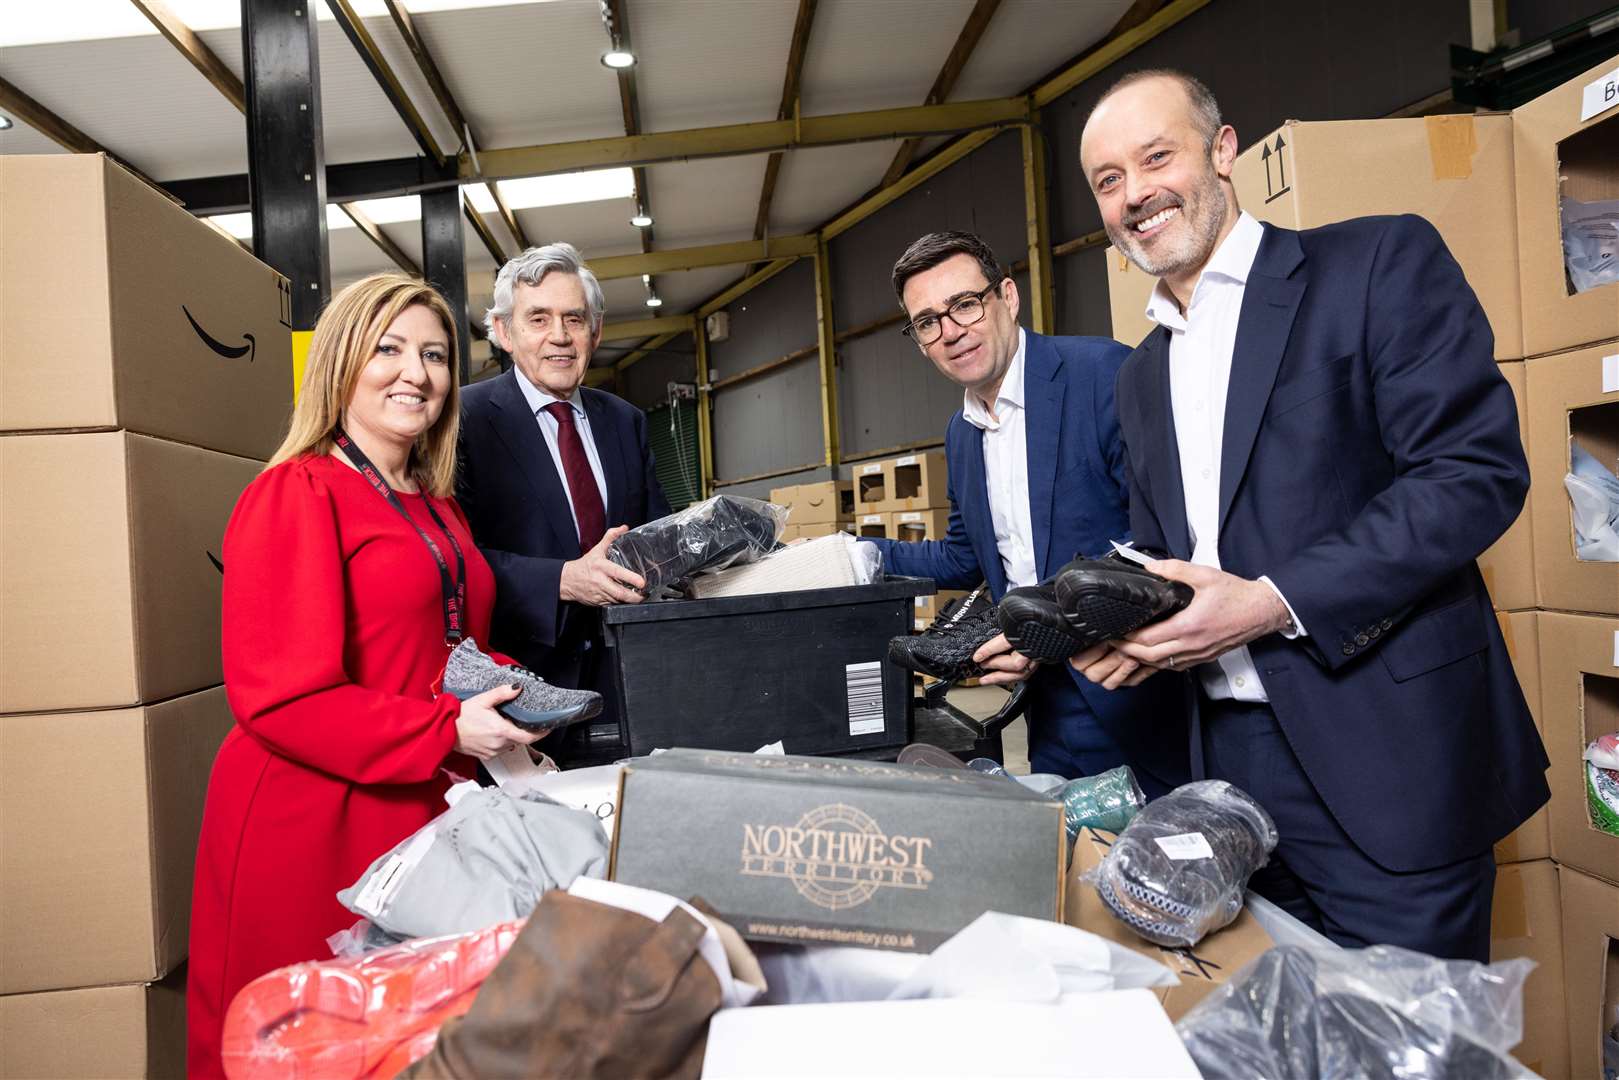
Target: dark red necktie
{"x": 587, "y": 497}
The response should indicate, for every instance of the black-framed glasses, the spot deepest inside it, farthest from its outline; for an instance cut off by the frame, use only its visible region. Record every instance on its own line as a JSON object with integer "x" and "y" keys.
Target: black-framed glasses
{"x": 964, "y": 312}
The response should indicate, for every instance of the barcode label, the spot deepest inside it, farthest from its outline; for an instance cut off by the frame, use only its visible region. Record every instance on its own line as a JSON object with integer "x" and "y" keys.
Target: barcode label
{"x": 1192, "y": 845}
{"x": 379, "y": 889}
{"x": 865, "y": 685}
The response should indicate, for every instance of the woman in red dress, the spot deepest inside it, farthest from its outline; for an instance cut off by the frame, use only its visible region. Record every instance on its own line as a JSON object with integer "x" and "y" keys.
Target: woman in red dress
{"x": 348, "y": 568}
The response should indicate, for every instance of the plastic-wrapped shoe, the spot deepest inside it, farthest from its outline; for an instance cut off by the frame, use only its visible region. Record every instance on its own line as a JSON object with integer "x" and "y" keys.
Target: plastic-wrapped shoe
{"x": 540, "y": 707}
{"x": 945, "y": 649}
{"x": 1034, "y": 623}
{"x": 1105, "y": 599}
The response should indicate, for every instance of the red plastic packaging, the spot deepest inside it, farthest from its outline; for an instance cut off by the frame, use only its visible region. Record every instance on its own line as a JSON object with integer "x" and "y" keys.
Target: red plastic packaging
{"x": 368, "y": 1016}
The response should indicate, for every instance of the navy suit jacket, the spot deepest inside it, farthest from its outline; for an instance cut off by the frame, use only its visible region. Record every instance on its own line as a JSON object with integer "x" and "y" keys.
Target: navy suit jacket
{"x": 1077, "y": 504}
{"x": 1371, "y": 452}
{"x": 514, "y": 500}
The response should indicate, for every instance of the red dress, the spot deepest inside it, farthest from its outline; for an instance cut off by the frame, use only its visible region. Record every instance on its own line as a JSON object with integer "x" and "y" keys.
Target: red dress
{"x": 333, "y": 636}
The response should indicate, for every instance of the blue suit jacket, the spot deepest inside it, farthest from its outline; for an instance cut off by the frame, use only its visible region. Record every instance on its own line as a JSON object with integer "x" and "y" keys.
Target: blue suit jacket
{"x": 513, "y": 497}
{"x": 1077, "y": 504}
{"x": 1371, "y": 452}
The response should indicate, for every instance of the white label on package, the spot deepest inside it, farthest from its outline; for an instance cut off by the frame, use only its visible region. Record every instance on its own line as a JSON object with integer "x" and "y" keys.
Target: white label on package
{"x": 380, "y": 887}
{"x": 865, "y": 686}
{"x": 874, "y": 467}
{"x": 1610, "y": 373}
{"x": 911, "y": 515}
{"x": 1129, "y": 553}
{"x": 1190, "y": 845}
{"x": 906, "y": 460}
{"x": 1600, "y": 95}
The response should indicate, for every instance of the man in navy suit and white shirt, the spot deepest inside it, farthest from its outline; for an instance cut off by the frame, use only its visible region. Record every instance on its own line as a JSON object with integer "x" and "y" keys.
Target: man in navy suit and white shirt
{"x": 551, "y": 472}
{"x": 1318, "y": 434}
{"x": 1036, "y": 477}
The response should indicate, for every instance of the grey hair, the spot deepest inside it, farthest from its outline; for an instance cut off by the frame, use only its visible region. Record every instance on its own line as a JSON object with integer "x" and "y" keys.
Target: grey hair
{"x": 530, "y": 268}
{"x": 1205, "y": 109}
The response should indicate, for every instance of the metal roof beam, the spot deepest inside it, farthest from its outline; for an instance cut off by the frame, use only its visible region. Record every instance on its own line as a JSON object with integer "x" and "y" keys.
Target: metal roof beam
{"x": 191, "y": 46}
{"x": 481, "y": 227}
{"x": 787, "y": 109}
{"x": 380, "y": 238}
{"x": 355, "y": 30}
{"x": 59, "y": 131}
{"x": 631, "y": 329}
{"x": 610, "y": 267}
{"x": 960, "y": 53}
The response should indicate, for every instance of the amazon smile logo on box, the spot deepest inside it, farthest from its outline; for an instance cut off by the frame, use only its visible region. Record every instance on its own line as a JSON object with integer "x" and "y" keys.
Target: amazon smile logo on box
{"x": 229, "y": 352}
{"x": 836, "y": 856}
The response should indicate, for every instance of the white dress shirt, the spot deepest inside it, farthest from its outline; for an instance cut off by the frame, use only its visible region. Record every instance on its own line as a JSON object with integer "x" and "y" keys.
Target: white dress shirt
{"x": 1006, "y": 470}
{"x": 1201, "y": 341}
{"x": 537, "y": 401}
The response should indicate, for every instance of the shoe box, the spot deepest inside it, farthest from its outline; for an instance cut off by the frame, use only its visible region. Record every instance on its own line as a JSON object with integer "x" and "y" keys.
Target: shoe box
{"x": 99, "y": 818}
{"x": 1566, "y": 144}
{"x": 1508, "y": 565}
{"x": 928, "y": 607}
{"x": 1526, "y": 920}
{"x": 1590, "y": 968}
{"x": 131, "y": 313}
{"x": 1201, "y": 968}
{"x": 825, "y": 503}
{"x": 920, "y": 524}
{"x": 819, "y": 529}
{"x": 1532, "y": 840}
{"x": 132, "y": 1031}
{"x": 911, "y": 482}
{"x": 1455, "y": 171}
{"x": 876, "y": 526}
{"x": 1579, "y": 700}
{"x": 109, "y": 580}
{"x": 806, "y": 850}
{"x": 1573, "y": 398}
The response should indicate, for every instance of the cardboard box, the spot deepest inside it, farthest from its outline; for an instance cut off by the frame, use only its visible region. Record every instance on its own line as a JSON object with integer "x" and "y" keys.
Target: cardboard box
{"x": 916, "y": 482}
{"x": 928, "y": 607}
{"x": 1579, "y": 700}
{"x": 871, "y": 488}
{"x": 1509, "y": 564}
{"x": 138, "y": 315}
{"x": 1590, "y": 965}
{"x": 1533, "y": 839}
{"x": 911, "y": 525}
{"x": 1573, "y": 395}
{"x": 1456, "y": 171}
{"x": 1560, "y": 155}
{"x": 1215, "y": 959}
{"x": 789, "y": 533}
{"x": 130, "y": 1031}
{"x": 97, "y": 866}
{"x": 879, "y": 525}
{"x": 106, "y": 564}
{"x": 815, "y": 504}
{"x": 824, "y": 528}
{"x": 827, "y": 851}
{"x": 1527, "y": 920}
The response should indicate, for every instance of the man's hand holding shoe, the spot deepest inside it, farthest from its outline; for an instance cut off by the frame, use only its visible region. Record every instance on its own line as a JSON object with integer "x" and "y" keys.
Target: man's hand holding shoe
{"x": 596, "y": 580}
{"x": 1002, "y": 666}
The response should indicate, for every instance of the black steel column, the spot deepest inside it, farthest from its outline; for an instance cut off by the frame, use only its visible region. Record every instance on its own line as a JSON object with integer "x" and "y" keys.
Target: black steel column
{"x": 444, "y": 259}
{"x": 285, "y": 160}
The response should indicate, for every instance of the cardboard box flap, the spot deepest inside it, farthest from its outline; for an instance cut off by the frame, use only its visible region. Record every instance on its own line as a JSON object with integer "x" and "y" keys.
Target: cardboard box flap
{"x": 821, "y": 771}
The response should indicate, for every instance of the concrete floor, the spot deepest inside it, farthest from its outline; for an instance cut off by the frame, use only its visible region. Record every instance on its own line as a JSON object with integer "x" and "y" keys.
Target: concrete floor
{"x": 983, "y": 701}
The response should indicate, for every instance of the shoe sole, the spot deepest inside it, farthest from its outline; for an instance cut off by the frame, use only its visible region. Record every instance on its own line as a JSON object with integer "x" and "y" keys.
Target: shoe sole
{"x": 530, "y": 720}
{"x": 1037, "y": 630}
{"x": 1096, "y": 611}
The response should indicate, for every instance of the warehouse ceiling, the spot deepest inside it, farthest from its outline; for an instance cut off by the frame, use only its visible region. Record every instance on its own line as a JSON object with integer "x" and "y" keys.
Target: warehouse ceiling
{"x": 528, "y": 73}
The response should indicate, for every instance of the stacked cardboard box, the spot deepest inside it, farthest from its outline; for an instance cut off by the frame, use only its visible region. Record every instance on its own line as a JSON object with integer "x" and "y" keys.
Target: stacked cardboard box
{"x": 125, "y": 439}
{"x": 819, "y": 509}
{"x": 903, "y": 498}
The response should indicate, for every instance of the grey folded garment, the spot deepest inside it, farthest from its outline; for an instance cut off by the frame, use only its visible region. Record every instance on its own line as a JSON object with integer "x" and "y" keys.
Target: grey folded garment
{"x": 487, "y": 859}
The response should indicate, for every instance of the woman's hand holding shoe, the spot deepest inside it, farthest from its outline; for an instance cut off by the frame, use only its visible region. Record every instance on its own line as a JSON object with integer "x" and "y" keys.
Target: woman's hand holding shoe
{"x": 481, "y": 732}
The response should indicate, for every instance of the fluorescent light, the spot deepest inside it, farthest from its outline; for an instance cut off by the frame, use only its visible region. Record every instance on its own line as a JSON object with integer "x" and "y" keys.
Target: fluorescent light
{"x": 654, "y": 301}
{"x": 618, "y": 59}
{"x": 642, "y": 220}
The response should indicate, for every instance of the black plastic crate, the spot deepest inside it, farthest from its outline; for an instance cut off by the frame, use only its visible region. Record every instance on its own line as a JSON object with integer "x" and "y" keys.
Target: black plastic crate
{"x": 736, "y": 672}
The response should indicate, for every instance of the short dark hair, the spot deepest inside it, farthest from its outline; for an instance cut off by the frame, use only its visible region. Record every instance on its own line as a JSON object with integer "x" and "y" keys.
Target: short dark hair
{"x": 1205, "y": 109}
{"x": 935, "y": 248}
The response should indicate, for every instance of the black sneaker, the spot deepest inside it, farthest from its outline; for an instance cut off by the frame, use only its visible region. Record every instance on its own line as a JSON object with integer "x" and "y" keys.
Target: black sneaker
{"x": 1105, "y": 599}
{"x": 945, "y": 649}
{"x": 1035, "y": 625}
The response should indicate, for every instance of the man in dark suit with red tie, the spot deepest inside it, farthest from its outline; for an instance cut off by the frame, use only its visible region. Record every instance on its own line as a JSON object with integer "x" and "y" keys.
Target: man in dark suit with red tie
{"x": 551, "y": 472}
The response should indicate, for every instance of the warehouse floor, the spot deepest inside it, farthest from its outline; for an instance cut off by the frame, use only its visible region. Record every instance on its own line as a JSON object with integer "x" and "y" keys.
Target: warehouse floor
{"x": 982, "y": 701}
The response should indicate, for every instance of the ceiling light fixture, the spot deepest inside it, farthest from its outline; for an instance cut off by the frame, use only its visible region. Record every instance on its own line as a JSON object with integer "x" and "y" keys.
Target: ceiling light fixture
{"x": 654, "y": 301}
{"x": 641, "y": 219}
{"x": 5, "y": 124}
{"x": 618, "y": 59}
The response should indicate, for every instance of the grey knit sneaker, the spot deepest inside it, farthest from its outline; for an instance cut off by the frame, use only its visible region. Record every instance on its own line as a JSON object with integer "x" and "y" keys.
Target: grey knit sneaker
{"x": 540, "y": 707}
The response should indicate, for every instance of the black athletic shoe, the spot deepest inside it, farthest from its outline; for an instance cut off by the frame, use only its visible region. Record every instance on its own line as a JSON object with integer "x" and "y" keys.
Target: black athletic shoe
{"x": 945, "y": 649}
{"x": 1035, "y": 625}
{"x": 1105, "y": 599}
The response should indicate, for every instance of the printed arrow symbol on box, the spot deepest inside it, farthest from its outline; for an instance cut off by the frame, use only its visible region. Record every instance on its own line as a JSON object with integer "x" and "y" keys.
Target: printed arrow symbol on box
{"x": 229, "y": 352}
{"x": 1272, "y": 195}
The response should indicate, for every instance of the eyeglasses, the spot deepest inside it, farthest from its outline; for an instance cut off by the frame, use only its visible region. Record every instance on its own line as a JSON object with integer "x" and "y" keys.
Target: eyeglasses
{"x": 964, "y": 312}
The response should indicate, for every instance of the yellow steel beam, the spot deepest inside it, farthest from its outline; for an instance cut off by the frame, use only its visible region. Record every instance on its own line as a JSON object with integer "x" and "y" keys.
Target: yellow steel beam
{"x": 930, "y": 168}
{"x": 609, "y": 267}
{"x": 736, "y": 139}
{"x": 631, "y": 329}
{"x": 646, "y": 350}
{"x": 1042, "y": 297}
{"x": 705, "y": 418}
{"x": 191, "y": 46}
{"x": 977, "y": 22}
{"x": 826, "y": 333}
{"x": 746, "y": 285}
{"x": 1113, "y": 50}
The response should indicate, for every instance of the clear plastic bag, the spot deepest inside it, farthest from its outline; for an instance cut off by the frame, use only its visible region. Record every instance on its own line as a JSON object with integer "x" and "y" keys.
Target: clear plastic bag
{"x": 1593, "y": 491}
{"x": 715, "y": 533}
{"x": 1602, "y": 782}
{"x": 1360, "y": 1014}
{"x": 1178, "y": 870}
{"x": 366, "y": 1016}
{"x": 1105, "y": 801}
{"x": 1591, "y": 242}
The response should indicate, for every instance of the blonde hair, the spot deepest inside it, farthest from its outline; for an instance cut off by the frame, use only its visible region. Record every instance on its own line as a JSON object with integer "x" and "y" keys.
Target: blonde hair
{"x": 345, "y": 338}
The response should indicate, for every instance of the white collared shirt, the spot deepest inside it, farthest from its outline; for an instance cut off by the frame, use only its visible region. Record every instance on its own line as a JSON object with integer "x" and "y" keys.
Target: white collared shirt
{"x": 537, "y": 401}
{"x": 1201, "y": 341}
{"x": 1006, "y": 470}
